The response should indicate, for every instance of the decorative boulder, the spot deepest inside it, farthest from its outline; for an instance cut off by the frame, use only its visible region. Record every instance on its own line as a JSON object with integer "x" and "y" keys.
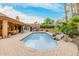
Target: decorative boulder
{"x": 64, "y": 37}
{"x": 67, "y": 38}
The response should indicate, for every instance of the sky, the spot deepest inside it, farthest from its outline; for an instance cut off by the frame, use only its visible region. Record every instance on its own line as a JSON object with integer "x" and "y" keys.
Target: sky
{"x": 33, "y": 12}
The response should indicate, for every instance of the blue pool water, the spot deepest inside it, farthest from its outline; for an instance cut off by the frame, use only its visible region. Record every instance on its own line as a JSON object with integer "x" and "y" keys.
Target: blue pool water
{"x": 40, "y": 41}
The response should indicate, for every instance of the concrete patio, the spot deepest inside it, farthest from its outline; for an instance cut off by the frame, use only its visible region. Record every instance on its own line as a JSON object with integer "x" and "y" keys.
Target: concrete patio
{"x": 12, "y": 46}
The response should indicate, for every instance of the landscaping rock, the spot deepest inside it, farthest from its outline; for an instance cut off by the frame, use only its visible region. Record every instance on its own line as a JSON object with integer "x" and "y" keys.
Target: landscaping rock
{"x": 59, "y": 36}
{"x": 64, "y": 37}
{"x": 67, "y": 38}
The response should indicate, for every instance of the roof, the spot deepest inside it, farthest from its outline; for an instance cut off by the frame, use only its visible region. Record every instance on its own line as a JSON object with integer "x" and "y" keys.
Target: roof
{"x": 2, "y": 14}
{"x": 10, "y": 19}
{"x": 34, "y": 24}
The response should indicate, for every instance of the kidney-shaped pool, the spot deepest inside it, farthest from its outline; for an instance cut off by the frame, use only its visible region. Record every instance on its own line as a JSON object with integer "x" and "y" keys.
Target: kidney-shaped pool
{"x": 40, "y": 41}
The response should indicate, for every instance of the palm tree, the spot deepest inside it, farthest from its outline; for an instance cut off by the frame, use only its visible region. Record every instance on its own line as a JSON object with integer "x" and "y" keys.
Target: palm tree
{"x": 65, "y": 11}
{"x": 77, "y": 5}
{"x": 71, "y": 6}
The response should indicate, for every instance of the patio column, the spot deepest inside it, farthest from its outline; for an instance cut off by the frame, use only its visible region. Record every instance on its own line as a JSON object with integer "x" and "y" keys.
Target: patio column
{"x": 5, "y": 28}
{"x": 17, "y": 28}
{"x": 23, "y": 28}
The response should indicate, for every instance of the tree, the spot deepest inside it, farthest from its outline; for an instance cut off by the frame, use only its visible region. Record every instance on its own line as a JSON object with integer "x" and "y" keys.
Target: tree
{"x": 65, "y": 11}
{"x": 71, "y": 6}
{"x": 48, "y": 22}
{"x": 75, "y": 19}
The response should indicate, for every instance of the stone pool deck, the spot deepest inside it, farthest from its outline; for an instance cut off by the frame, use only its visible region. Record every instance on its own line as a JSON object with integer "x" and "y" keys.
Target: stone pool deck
{"x": 12, "y": 46}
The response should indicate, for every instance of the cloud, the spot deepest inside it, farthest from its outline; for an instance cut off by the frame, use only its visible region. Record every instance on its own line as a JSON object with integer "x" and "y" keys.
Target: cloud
{"x": 10, "y": 12}
{"x": 28, "y": 18}
{"x": 54, "y": 6}
{"x": 32, "y": 19}
{"x": 51, "y": 6}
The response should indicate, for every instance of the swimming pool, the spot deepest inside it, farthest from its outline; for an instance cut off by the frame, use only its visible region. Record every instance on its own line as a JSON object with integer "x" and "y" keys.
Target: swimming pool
{"x": 40, "y": 41}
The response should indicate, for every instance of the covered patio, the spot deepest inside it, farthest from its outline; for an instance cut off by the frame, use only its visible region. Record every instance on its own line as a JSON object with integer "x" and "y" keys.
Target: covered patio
{"x": 9, "y": 26}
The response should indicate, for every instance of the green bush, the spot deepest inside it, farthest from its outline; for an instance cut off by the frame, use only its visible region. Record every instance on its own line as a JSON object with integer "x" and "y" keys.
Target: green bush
{"x": 69, "y": 27}
{"x": 55, "y": 30}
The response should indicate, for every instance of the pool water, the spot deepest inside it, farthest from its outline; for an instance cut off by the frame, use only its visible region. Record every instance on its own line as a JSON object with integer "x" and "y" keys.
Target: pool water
{"x": 40, "y": 41}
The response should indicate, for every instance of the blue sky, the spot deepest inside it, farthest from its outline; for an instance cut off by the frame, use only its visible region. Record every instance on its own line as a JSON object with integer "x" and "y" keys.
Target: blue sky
{"x": 41, "y": 10}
